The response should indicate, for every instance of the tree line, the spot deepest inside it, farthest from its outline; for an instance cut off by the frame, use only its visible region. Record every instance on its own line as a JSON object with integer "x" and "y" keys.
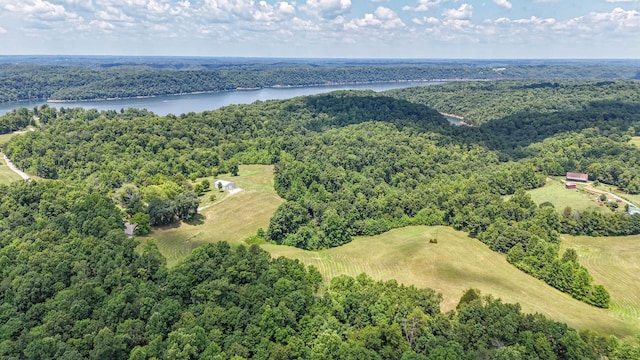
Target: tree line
{"x": 29, "y": 81}
{"x": 482, "y": 102}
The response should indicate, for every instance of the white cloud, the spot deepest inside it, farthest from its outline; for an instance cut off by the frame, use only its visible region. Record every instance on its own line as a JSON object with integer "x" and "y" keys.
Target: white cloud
{"x": 3, "y": 30}
{"x": 425, "y": 5}
{"x": 328, "y": 9}
{"x": 305, "y": 25}
{"x": 80, "y": 4}
{"x": 267, "y": 12}
{"x": 286, "y": 8}
{"x": 383, "y": 17}
{"x": 226, "y": 10}
{"x": 41, "y": 10}
{"x": 620, "y": 1}
{"x": 426, "y": 20}
{"x": 535, "y": 21}
{"x": 102, "y": 25}
{"x": 113, "y": 14}
{"x": 464, "y": 12}
{"x": 504, "y": 3}
{"x": 618, "y": 17}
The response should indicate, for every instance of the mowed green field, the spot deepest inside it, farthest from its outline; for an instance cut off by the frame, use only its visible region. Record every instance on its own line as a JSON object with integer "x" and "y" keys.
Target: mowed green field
{"x": 615, "y": 263}
{"x": 6, "y": 174}
{"x": 4, "y": 138}
{"x": 554, "y": 192}
{"x": 451, "y": 266}
{"x": 231, "y": 218}
{"x": 635, "y": 141}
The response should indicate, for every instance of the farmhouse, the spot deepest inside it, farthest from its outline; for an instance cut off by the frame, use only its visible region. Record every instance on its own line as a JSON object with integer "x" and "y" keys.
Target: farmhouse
{"x": 224, "y": 185}
{"x": 577, "y": 177}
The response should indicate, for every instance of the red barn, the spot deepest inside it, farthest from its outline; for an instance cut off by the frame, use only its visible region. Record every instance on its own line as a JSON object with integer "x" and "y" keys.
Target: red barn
{"x": 577, "y": 177}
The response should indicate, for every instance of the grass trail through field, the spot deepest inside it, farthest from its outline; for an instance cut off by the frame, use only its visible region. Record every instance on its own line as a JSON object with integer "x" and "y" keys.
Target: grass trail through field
{"x": 451, "y": 266}
{"x": 615, "y": 263}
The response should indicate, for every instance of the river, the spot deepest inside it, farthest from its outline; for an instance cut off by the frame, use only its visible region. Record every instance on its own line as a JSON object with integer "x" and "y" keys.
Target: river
{"x": 179, "y": 104}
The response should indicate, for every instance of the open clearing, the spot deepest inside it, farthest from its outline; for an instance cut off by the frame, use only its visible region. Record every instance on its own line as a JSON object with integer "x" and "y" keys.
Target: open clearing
{"x": 635, "y": 141}
{"x": 615, "y": 263}
{"x": 7, "y": 175}
{"x": 231, "y": 218}
{"x": 451, "y": 266}
{"x": 555, "y": 193}
{"x": 4, "y": 138}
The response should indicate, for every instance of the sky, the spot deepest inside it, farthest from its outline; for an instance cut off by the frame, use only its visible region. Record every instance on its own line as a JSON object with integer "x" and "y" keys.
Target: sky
{"x": 323, "y": 28}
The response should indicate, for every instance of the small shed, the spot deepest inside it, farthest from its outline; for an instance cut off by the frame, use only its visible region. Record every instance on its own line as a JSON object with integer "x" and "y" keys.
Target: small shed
{"x": 224, "y": 185}
{"x": 571, "y": 176}
{"x": 632, "y": 210}
{"x": 570, "y": 185}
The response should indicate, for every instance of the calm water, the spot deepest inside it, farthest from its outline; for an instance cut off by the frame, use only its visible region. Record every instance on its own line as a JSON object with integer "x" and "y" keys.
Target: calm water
{"x": 180, "y": 104}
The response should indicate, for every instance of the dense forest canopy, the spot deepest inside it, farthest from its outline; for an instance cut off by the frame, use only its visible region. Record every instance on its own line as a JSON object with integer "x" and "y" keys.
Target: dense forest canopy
{"x": 481, "y": 102}
{"x": 348, "y": 163}
{"x": 100, "y": 78}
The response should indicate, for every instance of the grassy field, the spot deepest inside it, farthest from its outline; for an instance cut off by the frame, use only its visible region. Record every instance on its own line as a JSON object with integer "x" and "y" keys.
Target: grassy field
{"x": 451, "y": 266}
{"x": 615, "y": 263}
{"x": 4, "y": 138}
{"x": 555, "y": 193}
{"x": 635, "y": 141}
{"x": 614, "y": 190}
{"x": 231, "y": 218}
{"x": 6, "y": 174}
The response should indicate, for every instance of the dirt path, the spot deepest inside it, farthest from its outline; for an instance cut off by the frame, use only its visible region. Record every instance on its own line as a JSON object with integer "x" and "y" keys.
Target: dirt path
{"x": 598, "y": 191}
{"x": 15, "y": 169}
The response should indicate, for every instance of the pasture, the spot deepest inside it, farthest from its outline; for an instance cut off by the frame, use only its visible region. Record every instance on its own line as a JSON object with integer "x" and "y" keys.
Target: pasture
{"x": 6, "y": 174}
{"x": 615, "y": 263}
{"x": 451, "y": 266}
{"x": 231, "y": 218}
{"x": 635, "y": 141}
{"x": 554, "y": 192}
{"x": 4, "y": 138}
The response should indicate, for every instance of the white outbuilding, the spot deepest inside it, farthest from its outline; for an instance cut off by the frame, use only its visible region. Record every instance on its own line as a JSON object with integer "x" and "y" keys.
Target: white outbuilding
{"x": 224, "y": 185}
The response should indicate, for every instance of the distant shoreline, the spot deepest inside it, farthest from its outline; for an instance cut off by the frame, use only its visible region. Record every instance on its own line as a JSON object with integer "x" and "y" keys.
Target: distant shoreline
{"x": 62, "y": 101}
{"x": 458, "y": 117}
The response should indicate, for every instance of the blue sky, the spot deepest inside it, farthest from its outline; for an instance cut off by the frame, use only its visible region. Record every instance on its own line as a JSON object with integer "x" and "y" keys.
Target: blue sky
{"x": 324, "y": 28}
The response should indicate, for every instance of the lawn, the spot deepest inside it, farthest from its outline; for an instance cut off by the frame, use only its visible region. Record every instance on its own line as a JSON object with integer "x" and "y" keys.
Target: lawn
{"x": 615, "y": 263}
{"x": 6, "y": 174}
{"x": 554, "y": 192}
{"x": 451, "y": 266}
{"x": 635, "y": 141}
{"x": 4, "y": 138}
{"x": 231, "y": 218}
